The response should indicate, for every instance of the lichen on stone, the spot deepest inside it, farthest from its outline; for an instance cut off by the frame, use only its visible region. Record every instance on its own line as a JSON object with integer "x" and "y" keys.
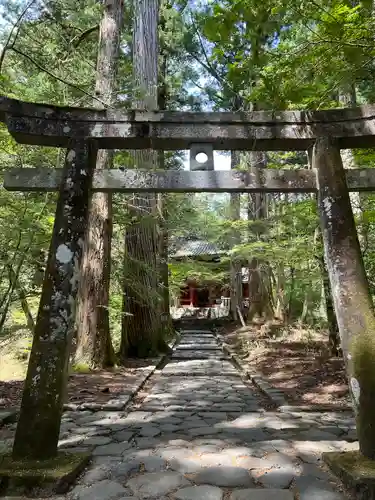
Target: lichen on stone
{"x": 71, "y": 155}
{"x": 64, "y": 254}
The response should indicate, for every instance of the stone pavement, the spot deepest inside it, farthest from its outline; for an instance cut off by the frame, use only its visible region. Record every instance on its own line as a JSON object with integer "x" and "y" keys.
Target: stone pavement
{"x": 201, "y": 433}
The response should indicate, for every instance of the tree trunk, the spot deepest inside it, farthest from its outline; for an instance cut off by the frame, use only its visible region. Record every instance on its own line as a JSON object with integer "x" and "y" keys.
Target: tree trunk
{"x": 350, "y": 288}
{"x": 94, "y": 345}
{"x": 255, "y": 290}
{"x": 348, "y": 98}
{"x": 164, "y": 270}
{"x": 280, "y": 292}
{"x": 141, "y": 325}
{"x": 291, "y": 292}
{"x": 38, "y": 426}
{"x": 305, "y": 307}
{"x": 22, "y": 297}
{"x": 333, "y": 329}
{"x": 162, "y": 199}
{"x": 260, "y": 297}
{"x": 236, "y": 298}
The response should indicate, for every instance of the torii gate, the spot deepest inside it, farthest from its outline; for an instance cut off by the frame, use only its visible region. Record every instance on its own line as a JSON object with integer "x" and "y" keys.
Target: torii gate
{"x": 83, "y": 131}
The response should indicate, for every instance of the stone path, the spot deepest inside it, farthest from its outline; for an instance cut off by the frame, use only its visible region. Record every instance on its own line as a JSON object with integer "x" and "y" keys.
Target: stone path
{"x": 200, "y": 433}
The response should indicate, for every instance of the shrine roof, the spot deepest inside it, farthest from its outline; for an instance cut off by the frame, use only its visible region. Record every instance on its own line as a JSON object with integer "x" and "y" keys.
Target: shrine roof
{"x": 195, "y": 248}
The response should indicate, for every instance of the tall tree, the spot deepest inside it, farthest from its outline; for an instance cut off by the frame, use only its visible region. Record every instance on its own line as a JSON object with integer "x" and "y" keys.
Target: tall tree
{"x": 94, "y": 346}
{"x": 141, "y": 327}
{"x": 236, "y": 298}
{"x": 162, "y": 198}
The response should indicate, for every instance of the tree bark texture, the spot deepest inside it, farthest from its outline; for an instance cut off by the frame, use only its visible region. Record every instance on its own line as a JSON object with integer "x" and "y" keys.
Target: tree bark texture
{"x": 94, "y": 345}
{"x": 236, "y": 296}
{"x": 333, "y": 329}
{"x": 350, "y": 288}
{"x": 280, "y": 292}
{"x": 326, "y": 292}
{"x": 260, "y": 296}
{"x": 38, "y": 427}
{"x": 13, "y": 276}
{"x": 258, "y": 202}
{"x": 348, "y": 99}
{"x": 163, "y": 261}
{"x": 162, "y": 197}
{"x": 141, "y": 325}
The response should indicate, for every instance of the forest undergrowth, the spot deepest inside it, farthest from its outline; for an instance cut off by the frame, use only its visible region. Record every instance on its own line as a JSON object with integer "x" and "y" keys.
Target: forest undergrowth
{"x": 294, "y": 358}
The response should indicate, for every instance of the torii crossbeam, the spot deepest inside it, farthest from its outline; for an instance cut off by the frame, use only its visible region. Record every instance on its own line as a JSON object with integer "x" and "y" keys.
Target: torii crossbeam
{"x": 47, "y": 125}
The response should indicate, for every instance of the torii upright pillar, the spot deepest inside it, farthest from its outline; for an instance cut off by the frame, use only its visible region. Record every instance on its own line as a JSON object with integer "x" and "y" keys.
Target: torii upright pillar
{"x": 350, "y": 288}
{"x": 38, "y": 427}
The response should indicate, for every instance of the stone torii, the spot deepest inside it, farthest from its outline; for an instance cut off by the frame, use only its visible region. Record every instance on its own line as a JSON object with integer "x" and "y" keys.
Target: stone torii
{"x": 83, "y": 131}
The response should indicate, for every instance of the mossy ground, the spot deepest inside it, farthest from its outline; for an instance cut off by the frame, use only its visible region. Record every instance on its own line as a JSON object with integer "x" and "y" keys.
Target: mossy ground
{"x": 59, "y": 471}
{"x": 353, "y": 462}
{"x": 356, "y": 472}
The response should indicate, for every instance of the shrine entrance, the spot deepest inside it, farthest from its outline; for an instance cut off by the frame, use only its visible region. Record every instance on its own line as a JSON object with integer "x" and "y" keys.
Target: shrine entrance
{"x": 84, "y": 131}
{"x": 203, "y": 297}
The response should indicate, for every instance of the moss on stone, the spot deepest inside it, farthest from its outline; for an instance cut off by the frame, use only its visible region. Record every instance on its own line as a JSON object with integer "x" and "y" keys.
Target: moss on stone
{"x": 60, "y": 470}
{"x": 355, "y": 470}
{"x": 362, "y": 349}
{"x": 353, "y": 462}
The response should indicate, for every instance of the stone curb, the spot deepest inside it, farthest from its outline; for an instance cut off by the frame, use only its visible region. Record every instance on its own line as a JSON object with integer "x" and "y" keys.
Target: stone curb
{"x": 123, "y": 401}
{"x": 8, "y": 416}
{"x": 314, "y": 408}
{"x": 114, "y": 405}
{"x": 275, "y": 396}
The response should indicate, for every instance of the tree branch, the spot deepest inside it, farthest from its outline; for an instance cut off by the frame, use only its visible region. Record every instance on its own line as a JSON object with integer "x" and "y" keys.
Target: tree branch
{"x": 79, "y": 38}
{"x": 16, "y": 24}
{"x": 26, "y": 56}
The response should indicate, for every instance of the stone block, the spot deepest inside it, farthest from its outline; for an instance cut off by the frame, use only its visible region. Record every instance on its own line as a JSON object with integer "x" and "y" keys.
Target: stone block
{"x": 277, "y": 478}
{"x": 111, "y": 449}
{"x": 355, "y": 471}
{"x": 156, "y": 484}
{"x": 203, "y": 492}
{"x": 58, "y": 472}
{"x": 268, "y": 494}
{"x": 8, "y": 416}
{"x": 226, "y": 477}
{"x": 311, "y": 488}
{"x": 103, "y": 490}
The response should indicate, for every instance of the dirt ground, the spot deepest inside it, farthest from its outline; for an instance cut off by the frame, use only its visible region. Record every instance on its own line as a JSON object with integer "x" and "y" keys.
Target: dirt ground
{"x": 293, "y": 359}
{"x": 98, "y": 386}
{"x": 93, "y": 387}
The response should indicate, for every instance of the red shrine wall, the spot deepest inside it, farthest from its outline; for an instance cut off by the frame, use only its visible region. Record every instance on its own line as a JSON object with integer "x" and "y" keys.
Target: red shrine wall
{"x": 193, "y": 296}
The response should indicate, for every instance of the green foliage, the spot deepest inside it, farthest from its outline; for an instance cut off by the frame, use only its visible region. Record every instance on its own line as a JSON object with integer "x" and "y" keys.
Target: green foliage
{"x": 217, "y": 54}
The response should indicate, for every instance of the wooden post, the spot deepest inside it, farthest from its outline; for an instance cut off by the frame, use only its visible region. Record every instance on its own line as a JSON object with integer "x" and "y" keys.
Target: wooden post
{"x": 38, "y": 427}
{"x": 350, "y": 288}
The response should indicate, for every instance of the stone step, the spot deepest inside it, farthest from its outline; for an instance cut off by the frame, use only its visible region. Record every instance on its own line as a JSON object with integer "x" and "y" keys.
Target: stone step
{"x": 185, "y": 371}
{"x": 200, "y": 347}
{"x": 196, "y": 332}
{"x": 198, "y": 336}
{"x": 197, "y": 354}
{"x": 197, "y": 341}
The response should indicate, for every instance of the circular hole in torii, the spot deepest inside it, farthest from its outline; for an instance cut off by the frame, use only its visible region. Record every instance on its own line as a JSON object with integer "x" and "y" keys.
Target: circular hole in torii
{"x": 201, "y": 157}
